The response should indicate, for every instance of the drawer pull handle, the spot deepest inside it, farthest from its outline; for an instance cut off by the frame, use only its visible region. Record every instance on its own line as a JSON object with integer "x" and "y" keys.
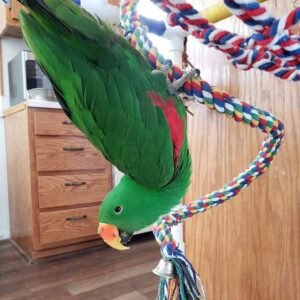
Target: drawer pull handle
{"x": 67, "y": 122}
{"x": 75, "y": 183}
{"x": 77, "y": 218}
{"x": 73, "y": 149}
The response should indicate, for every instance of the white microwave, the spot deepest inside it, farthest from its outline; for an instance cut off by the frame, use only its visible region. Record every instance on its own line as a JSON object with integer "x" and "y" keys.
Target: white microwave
{"x": 25, "y": 74}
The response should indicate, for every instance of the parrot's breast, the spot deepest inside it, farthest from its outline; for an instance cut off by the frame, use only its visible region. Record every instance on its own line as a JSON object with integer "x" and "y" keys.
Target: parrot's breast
{"x": 175, "y": 122}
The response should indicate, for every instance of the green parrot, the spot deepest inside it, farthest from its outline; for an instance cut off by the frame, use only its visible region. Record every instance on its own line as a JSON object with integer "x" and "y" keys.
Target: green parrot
{"x": 125, "y": 110}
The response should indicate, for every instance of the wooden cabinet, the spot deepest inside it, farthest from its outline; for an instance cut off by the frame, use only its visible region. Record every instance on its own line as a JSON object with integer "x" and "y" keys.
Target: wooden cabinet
{"x": 9, "y": 19}
{"x": 56, "y": 180}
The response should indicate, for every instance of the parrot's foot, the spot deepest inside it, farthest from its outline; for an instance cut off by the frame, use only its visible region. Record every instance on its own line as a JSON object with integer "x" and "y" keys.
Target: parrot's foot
{"x": 176, "y": 85}
{"x": 166, "y": 66}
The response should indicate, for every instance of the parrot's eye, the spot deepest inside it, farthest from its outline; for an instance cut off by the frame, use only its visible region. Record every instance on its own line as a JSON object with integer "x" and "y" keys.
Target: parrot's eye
{"x": 118, "y": 209}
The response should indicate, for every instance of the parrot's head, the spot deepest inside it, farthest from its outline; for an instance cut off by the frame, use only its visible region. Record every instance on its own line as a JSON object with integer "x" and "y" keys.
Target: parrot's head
{"x": 129, "y": 207}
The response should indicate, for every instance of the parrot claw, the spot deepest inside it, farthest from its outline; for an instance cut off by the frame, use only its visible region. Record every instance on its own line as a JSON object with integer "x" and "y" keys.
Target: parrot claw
{"x": 175, "y": 86}
{"x": 165, "y": 67}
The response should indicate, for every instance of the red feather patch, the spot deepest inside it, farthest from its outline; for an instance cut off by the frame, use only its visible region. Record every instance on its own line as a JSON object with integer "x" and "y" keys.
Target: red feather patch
{"x": 175, "y": 122}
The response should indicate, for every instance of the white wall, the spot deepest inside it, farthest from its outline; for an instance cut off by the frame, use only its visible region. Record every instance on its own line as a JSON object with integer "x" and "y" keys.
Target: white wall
{"x": 10, "y": 48}
{"x": 109, "y": 14}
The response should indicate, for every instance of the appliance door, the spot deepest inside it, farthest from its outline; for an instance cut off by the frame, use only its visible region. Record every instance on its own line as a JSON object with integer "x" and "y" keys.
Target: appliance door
{"x": 35, "y": 78}
{"x": 16, "y": 77}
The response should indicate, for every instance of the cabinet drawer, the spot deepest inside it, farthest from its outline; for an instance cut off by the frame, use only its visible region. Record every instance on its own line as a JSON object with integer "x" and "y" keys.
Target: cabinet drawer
{"x": 62, "y": 190}
{"x": 65, "y": 225}
{"x": 54, "y": 123}
{"x": 67, "y": 154}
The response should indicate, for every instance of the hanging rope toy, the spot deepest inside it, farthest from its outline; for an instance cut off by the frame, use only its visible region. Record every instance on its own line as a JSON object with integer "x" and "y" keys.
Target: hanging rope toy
{"x": 273, "y": 47}
{"x": 178, "y": 277}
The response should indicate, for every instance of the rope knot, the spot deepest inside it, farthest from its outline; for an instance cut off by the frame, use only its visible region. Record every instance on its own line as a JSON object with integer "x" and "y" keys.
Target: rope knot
{"x": 168, "y": 250}
{"x": 174, "y": 19}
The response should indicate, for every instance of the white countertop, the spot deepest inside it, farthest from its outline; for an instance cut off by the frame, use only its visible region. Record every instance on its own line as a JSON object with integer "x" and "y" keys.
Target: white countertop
{"x": 43, "y": 104}
{"x": 4, "y": 104}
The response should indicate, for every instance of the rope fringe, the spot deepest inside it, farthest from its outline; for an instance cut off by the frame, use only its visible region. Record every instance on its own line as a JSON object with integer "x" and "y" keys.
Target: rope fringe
{"x": 186, "y": 277}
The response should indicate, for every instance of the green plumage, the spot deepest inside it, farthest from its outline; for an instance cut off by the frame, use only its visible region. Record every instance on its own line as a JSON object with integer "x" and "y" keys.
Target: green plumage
{"x": 103, "y": 85}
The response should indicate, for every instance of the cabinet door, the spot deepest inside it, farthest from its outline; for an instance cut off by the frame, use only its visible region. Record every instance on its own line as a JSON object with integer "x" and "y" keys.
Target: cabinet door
{"x": 9, "y": 19}
{"x": 15, "y": 9}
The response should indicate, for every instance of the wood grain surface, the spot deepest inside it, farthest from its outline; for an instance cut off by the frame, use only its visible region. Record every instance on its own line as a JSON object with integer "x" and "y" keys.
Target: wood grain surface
{"x": 53, "y": 122}
{"x": 9, "y": 23}
{"x": 248, "y": 248}
{"x": 63, "y": 190}
{"x": 15, "y": 9}
{"x": 19, "y": 173}
{"x": 68, "y": 224}
{"x": 56, "y": 154}
{"x": 101, "y": 273}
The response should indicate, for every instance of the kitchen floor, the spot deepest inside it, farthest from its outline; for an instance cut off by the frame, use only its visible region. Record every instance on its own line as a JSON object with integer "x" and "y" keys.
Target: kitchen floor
{"x": 98, "y": 273}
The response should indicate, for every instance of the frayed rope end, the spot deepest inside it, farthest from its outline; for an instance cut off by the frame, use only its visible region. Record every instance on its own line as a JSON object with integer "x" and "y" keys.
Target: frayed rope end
{"x": 185, "y": 284}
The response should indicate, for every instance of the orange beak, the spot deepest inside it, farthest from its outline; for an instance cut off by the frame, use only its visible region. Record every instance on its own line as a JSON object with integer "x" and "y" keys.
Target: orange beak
{"x": 110, "y": 235}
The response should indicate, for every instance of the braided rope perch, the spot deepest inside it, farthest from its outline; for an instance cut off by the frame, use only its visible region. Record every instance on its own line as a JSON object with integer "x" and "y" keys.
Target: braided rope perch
{"x": 185, "y": 285}
{"x": 273, "y": 47}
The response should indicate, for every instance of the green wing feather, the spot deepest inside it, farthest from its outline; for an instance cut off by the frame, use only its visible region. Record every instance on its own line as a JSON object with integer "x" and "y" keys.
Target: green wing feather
{"x": 102, "y": 84}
